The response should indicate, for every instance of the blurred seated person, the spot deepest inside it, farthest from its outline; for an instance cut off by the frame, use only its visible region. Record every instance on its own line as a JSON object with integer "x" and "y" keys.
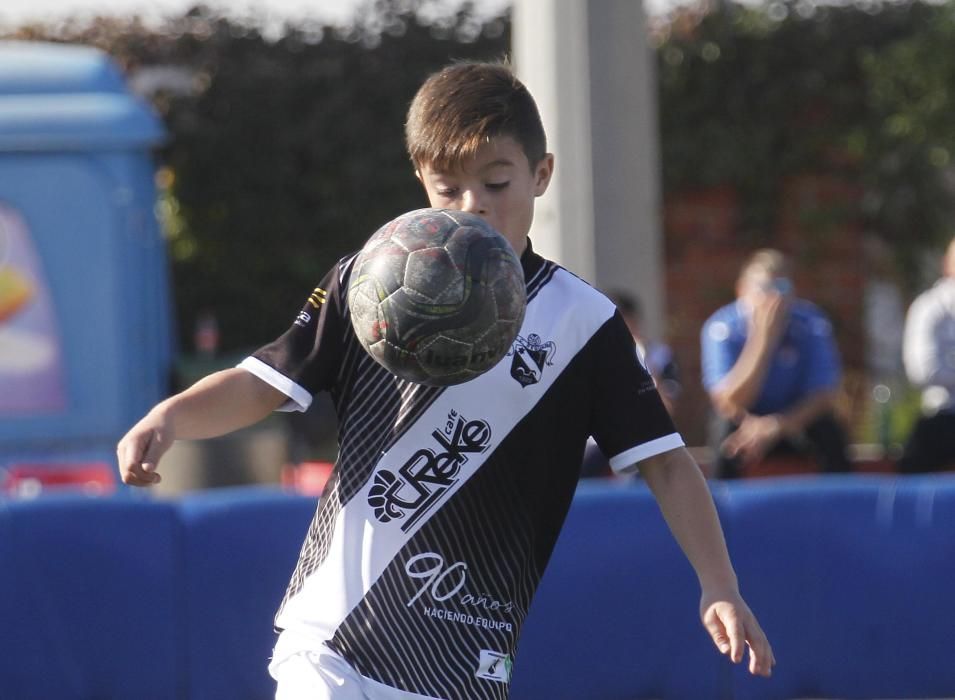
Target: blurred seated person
{"x": 655, "y": 356}
{"x": 772, "y": 371}
{"x": 929, "y": 354}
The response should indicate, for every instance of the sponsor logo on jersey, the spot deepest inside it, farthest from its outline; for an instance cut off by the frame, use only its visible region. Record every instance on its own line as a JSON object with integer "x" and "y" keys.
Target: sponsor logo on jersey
{"x": 530, "y": 356}
{"x": 303, "y": 318}
{"x": 425, "y": 477}
{"x": 494, "y": 666}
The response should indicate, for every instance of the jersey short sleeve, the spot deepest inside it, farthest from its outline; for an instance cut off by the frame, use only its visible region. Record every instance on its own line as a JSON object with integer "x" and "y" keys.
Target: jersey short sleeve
{"x": 305, "y": 359}
{"x": 629, "y": 421}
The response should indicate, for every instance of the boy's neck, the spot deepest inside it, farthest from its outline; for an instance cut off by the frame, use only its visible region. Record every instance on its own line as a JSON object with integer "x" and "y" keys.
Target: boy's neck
{"x": 523, "y": 247}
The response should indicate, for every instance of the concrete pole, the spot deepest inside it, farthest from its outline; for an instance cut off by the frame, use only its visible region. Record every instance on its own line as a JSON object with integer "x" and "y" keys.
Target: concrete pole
{"x": 589, "y": 65}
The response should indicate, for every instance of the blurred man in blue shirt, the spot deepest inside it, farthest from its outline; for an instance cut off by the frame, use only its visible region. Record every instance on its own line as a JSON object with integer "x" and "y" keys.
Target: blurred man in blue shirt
{"x": 771, "y": 368}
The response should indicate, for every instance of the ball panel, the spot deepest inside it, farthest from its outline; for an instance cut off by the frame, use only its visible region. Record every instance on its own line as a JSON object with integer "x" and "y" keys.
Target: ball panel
{"x": 398, "y": 361}
{"x": 386, "y": 265}
{"x": 364, "y": 299}
{"x": 433, "y": 275}
{"x": 509, "y": 298}
{"x": 423, "y": 228}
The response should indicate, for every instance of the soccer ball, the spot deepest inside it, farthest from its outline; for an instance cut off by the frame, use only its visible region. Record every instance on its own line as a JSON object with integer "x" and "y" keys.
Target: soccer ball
{"x": 437, "y": 296}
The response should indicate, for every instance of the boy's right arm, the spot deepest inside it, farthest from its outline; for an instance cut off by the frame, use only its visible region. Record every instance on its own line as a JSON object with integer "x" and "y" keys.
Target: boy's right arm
{"x": 215, "y": 405}
{"x": 687, "y": 506}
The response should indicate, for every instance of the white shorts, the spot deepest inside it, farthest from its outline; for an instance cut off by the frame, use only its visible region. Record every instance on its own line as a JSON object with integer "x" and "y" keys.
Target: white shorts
{"x": 318, "y": 673}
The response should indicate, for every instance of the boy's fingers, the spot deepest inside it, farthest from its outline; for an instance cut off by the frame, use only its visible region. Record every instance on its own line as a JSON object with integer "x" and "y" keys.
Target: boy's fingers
{"x": 133, "y": 480}
{"x": 732, "y": 630}
{"x": 138, "y": 461}
{"x": 150, "y": 460}
{"x": 727, "y": 631}
{"x": 761, "y": 659}
{"x": 128, "y": 463}
{"x": 135, "y": 475}
{"x": 149, "y": 472}
{"x": 125, "y": 455}
{"x": 717, "y": 632}
{"x": 756, "y": 661}
{"x": 737, "y": 638}
{"x": 151, "y": 478}
{"x": 761, "y": 667}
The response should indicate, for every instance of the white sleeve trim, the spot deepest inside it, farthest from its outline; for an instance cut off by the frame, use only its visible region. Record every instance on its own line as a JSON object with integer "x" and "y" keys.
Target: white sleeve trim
{"x": 299, "y": 398}
{"x": 622, "y": 461}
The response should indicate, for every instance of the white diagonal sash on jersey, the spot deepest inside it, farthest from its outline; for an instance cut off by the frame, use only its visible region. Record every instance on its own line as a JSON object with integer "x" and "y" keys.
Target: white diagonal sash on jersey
{"x": 446, "y": 445}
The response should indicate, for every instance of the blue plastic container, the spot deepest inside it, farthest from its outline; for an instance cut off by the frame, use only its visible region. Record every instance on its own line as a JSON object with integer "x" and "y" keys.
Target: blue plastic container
{"x": 85, "y": 323}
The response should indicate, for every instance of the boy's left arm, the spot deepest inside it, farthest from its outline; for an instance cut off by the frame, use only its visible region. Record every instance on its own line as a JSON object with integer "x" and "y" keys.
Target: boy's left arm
{"x": 685, "y": 501}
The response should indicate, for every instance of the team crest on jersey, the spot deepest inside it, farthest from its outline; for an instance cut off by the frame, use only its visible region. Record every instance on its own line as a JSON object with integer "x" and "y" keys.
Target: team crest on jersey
{"x": 494, "y": 666}
{"x": 529, "y": 357}
{"x": 424, "y": 478}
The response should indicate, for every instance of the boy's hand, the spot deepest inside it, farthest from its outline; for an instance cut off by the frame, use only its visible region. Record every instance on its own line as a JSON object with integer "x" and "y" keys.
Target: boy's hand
{"x": 141, "y": 448}
{"x": 732, "y": 626}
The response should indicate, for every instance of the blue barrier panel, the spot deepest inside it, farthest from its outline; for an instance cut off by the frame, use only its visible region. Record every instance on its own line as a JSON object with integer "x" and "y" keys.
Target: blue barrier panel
{"x": 852, "y": 579}
{"x": 88, "y": 600}
{"x": 240, "y": 547}
{"x": 616, "y": 616}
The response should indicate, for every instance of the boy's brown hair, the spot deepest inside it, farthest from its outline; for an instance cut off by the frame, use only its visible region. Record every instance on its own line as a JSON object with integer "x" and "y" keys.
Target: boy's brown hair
{"x": 466, "y": 104}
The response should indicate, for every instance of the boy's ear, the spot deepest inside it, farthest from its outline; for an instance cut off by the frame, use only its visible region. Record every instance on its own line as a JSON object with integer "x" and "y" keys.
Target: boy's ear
{"x": 543, "y": 172}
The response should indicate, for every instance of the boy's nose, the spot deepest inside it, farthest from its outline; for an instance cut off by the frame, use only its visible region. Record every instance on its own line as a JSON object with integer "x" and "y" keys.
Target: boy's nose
{"x": 473, "y": 203}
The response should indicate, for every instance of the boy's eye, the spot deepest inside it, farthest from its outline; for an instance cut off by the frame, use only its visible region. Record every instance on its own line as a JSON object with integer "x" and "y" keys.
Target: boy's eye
{"x": 497, "y": 185}
{"x": 447, "y": 191}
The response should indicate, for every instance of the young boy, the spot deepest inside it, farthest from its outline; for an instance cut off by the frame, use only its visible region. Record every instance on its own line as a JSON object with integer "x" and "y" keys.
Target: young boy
{"x": 420, "y": 564}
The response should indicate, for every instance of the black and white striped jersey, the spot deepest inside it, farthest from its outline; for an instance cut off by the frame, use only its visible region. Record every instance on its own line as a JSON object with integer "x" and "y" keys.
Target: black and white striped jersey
{"x": 445, "y": 503}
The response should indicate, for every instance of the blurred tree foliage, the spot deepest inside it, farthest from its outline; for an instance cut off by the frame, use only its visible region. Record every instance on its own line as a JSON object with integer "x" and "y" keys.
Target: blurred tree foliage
{"x": 750, "y": 95}
{"x": 287, "y": 151}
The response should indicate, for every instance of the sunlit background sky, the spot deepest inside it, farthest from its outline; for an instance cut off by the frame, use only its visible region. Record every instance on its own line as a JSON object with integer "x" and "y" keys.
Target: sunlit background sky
{"x": 16, "y": 12}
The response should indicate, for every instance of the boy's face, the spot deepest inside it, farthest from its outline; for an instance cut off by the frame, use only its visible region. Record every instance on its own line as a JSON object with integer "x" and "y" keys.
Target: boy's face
{"x": 497, "y": 184}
